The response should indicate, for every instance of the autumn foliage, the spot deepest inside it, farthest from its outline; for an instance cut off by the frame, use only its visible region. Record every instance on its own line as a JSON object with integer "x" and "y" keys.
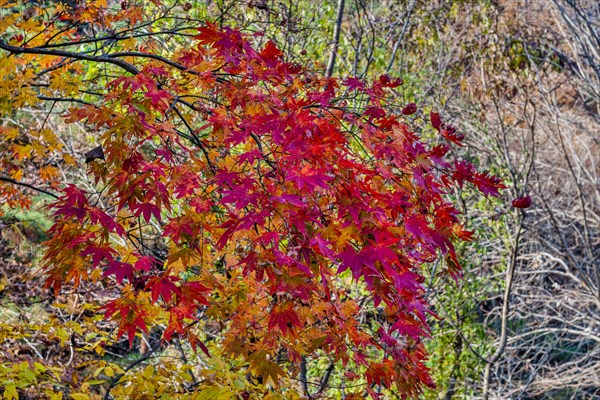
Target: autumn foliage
{"x": 237, "y": 188}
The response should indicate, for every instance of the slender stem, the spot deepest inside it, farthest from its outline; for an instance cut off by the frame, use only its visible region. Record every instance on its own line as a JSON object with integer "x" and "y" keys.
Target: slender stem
{"x": 336, "y": 38}
{"x": 510, "y": 274}
{"x": 401, "y": 36}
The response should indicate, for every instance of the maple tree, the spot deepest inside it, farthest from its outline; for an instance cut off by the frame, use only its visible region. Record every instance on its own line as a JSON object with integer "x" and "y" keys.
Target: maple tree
{"x": 234, "y": 192}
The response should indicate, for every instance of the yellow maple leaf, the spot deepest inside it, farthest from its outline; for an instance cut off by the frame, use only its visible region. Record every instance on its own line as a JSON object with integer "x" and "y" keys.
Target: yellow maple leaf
{"x": 17, "y": 174}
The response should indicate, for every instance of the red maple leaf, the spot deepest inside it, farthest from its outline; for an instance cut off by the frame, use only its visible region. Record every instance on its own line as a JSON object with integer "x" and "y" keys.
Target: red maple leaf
{"x": 131, "y": 316}
{"x": 284, "y": 317}
{"x": 354, "y": 84}
{"x": 271, "y": 54}
{"x": 163, "y": 286}
{"x": 147, "y": 210}
{"x": 120, "y": 270}
{"x": 522, "y": 202}
{"x": 436, "y": 121}
{"x": 410, "y": 109}
{"x": 98, "y": 216}
{"x": 145, "y": 263}
{"x": 99, "y": 253}
{"x": 194, "y": 292}
{"x": 209, "y": 34}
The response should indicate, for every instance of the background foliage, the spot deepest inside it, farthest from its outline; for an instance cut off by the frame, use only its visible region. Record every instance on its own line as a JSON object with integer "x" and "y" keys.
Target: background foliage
{"x": 519, "y": 78}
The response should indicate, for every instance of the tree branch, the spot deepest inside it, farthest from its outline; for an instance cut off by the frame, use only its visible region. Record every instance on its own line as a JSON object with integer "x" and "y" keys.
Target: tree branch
{"x": 69, "y": 54}
{"x": 27, "y": 185}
